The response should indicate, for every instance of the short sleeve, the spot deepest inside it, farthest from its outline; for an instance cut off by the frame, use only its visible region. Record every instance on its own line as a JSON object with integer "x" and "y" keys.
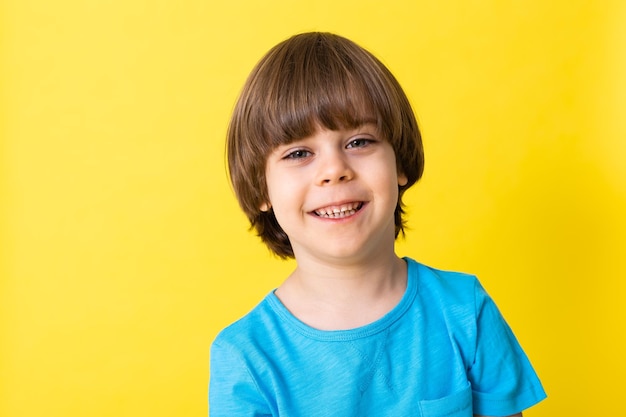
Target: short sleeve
{"x": 232, "y": 390}
{"x": 502, "y": 378}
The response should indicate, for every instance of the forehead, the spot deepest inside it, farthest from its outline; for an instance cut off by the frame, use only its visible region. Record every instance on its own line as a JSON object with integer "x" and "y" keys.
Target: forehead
{"x": 367, "y": 128}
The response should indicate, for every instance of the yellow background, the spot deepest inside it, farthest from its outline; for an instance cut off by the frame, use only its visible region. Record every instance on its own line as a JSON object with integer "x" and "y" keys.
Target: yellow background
{"x": 123, "y": 251}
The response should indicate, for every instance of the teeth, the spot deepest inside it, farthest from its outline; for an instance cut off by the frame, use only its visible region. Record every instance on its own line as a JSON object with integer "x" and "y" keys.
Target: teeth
{"x": 338, "y": 212}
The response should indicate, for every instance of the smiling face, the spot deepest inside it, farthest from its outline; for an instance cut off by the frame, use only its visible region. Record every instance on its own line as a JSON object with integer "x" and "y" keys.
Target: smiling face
{"x": 334, "y": 193}
{"x": 310, "y": 83}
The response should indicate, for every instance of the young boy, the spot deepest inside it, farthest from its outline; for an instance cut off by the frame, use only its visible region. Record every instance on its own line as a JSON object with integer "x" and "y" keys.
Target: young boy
{"x": 321, "y": 147}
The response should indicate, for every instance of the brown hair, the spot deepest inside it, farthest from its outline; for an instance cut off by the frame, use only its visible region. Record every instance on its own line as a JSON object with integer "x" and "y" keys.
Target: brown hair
{"x": 310, "y": 80}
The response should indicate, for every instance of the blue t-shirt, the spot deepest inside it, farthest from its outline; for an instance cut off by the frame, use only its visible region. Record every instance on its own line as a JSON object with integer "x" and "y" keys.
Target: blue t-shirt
{"x": 444, "y": 350}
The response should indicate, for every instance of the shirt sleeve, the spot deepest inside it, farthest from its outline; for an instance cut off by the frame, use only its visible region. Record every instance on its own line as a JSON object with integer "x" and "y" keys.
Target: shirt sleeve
{"x": 502, "y": 378}
{"x": 232, "y": 390}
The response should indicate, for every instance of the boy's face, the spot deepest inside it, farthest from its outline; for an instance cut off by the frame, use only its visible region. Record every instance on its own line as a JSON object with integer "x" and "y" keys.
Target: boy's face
{"x": 334, "y": 194}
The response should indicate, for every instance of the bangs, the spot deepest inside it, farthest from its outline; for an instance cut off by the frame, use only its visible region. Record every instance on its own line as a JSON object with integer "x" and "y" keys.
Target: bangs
{"x": 331, "y": 103}
{"x": 323, "y": 85}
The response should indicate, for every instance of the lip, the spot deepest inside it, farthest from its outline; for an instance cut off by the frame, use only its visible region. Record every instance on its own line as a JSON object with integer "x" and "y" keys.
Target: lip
{"x": 338, "y": 210}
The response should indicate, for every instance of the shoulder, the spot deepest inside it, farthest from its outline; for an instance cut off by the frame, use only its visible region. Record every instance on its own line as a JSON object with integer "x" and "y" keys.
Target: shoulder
{"x": 448, "y": 287}
{"x": 250, "y": 327}
{"x": 456, "y": 298}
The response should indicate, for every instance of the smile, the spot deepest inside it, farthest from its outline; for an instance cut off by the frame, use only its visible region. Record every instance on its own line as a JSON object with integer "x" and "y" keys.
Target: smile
{"x": 338, "y": 212}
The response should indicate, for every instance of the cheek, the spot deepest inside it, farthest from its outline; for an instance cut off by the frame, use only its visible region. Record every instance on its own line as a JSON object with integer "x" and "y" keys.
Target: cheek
{"x": 394, "y": 193}
{"x": 271, "y": 185}
{"x": 391, "y": 191}
{"x": 283, "y": 191}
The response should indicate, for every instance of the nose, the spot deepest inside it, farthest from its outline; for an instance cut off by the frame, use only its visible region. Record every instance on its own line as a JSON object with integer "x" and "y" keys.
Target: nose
{"x": 334, "y": 168}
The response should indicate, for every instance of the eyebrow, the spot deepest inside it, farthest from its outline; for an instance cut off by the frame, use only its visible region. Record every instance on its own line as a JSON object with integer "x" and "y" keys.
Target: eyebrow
{"x": 367, "y": 121}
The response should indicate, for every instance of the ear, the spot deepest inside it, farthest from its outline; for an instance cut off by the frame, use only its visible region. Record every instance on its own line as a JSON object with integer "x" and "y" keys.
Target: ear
{"x": 402, "y": 179}
{"x": 265, "y": 207}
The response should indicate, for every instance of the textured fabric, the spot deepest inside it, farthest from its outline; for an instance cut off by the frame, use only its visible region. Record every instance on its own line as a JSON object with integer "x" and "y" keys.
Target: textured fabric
{"x": 444, "y": 350}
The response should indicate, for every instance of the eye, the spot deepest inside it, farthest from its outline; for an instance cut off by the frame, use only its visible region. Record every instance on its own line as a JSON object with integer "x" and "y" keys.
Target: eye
{"x": 298, "y": 154}
{"x": 359, "y": 143}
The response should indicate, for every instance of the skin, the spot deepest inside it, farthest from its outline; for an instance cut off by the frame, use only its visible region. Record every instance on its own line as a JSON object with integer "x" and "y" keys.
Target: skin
{"x": 347, "y": 272}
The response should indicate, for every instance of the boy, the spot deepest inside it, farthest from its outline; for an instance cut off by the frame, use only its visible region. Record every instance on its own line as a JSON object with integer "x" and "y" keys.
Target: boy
{"x": 321, "y": 147}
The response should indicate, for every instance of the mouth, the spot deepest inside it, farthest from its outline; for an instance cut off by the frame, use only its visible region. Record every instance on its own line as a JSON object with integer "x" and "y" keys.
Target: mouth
{"x": 339, "y": 211}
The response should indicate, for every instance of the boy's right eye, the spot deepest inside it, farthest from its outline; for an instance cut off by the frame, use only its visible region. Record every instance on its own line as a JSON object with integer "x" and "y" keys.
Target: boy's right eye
{"x": 298, "y": 154}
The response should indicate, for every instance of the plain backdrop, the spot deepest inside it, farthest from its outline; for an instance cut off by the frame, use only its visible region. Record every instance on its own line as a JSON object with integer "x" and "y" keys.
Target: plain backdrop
{"x": 123, "y": 251}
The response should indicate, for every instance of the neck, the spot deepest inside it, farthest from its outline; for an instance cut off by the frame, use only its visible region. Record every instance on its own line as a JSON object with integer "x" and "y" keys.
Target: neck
{"x": 336, "y": 296}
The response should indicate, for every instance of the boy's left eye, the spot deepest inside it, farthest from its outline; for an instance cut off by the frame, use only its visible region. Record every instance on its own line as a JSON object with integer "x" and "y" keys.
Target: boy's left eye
{"x": 359, "y": 143}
